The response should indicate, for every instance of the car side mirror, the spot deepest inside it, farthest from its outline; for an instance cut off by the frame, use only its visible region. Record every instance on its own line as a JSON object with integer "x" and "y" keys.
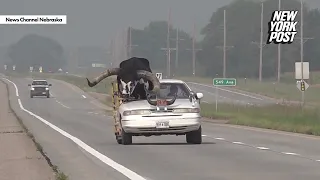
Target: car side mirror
{"x": 50, "y": 84}
{"x": 199, "y": 95}
{"x": 29, "y": 84}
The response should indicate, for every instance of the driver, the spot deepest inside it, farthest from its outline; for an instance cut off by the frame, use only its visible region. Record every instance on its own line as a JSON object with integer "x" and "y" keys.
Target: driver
{"x": 173, "y": 90}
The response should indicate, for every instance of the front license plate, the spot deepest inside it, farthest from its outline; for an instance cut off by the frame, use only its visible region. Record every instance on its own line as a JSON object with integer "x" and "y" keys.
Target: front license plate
{"x": 164, "y": 124}
{"x": 43, "y": 92}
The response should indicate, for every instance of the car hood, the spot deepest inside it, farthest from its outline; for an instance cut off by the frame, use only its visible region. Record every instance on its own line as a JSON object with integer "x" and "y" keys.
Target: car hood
{"x": 143, "y": 104}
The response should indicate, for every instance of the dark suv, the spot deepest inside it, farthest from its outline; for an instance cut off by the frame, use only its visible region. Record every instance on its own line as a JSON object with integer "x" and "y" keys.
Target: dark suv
{"x": 39, "y": 88}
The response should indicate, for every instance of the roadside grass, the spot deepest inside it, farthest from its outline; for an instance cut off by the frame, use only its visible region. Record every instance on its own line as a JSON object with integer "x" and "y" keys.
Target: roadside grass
{"x": 277, "y": 117}
{"x": 287, "y": 89}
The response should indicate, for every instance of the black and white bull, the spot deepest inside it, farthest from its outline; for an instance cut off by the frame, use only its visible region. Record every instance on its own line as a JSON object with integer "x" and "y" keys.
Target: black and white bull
{"x": 135, "y": 77}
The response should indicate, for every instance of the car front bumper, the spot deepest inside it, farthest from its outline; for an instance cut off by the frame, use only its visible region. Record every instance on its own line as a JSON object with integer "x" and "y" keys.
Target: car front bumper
{"x": 177, "y": 125}
{"x": 39, "y": 93}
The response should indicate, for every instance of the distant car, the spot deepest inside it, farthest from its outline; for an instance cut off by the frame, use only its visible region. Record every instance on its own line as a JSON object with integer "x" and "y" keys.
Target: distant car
{"x": 39, "y": 88}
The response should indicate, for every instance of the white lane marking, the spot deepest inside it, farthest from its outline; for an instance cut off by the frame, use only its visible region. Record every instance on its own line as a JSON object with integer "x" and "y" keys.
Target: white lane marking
{"x": 84, "y": 96}
{"x": 290, "y": 153}
{"x": 263, "y": 148}
{"x": 53, "y": 95}
{"x": 62, "y": 104}
{"x": 213, "y": 94}
{"x": 253, "y": 97}
{"x": 220, "y": 138}
{"x": 118, "y": 167}
{"x": 241, "y": 143}
{"x": 15, "y": 86}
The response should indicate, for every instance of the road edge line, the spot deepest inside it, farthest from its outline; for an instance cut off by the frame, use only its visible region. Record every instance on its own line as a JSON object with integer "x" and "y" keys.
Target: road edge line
{"x": 58, "y": 173}
{"x": 106, "y": 160}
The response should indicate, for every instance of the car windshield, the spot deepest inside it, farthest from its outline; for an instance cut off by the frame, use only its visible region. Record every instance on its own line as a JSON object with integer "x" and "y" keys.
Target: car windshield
{"x": 39, "y": 83}
{"x": 167, "y": 90}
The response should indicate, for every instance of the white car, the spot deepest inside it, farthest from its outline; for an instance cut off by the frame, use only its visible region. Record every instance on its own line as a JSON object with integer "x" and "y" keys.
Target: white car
{"x": 140, "y": 118}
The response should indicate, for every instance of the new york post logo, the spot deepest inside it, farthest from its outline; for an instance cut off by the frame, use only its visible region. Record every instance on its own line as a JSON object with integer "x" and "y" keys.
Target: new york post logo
{"x": 282, "y": 27}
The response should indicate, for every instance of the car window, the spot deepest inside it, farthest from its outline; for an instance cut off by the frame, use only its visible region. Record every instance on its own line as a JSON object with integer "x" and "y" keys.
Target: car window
{"x": 39, "y": 83}
{"x": 167, "y": 90}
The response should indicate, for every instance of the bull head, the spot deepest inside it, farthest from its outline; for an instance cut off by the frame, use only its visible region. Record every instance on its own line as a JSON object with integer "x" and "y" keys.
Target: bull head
{"x": 154, "y": 103}
{"x": 127, "y": 87}
{"x": 117, "y": 71}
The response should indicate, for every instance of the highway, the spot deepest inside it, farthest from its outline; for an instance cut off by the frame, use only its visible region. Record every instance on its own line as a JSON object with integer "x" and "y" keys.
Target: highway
{"x": 77, "y": 135}
{"x": 228, "y": 95}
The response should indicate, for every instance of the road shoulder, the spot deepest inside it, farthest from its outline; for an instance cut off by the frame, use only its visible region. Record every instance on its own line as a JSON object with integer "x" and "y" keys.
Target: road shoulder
{"x": 19, "y": 157}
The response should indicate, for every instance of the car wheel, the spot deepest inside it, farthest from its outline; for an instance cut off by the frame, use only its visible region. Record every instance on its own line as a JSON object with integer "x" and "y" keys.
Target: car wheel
{"x": 126, "y": 138}
{"x": 31, "y": 96}
{"x": 48, "y": 95}
{"x": 194, "y": 137}
{"x": 119, "y": 140}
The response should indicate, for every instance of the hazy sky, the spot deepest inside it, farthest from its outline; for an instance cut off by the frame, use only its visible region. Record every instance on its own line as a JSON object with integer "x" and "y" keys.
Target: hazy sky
{"x": 95, "y": 22}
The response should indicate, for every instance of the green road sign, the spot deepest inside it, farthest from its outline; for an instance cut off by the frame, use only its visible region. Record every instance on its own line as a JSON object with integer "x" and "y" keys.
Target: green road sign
{"x": 224, "y": 82}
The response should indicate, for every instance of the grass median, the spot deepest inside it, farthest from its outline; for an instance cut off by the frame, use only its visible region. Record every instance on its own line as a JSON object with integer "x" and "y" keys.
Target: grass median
{"x": 286, "y": 90}
{"x": 276, "y": 117}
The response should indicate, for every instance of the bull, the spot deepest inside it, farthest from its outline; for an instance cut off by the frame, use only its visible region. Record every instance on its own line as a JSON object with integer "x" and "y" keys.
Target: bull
{"x": 136, "y": 79}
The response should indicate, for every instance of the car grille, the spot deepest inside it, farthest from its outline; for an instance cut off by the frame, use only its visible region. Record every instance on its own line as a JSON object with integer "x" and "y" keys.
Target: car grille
{"x": 39, "y": 88}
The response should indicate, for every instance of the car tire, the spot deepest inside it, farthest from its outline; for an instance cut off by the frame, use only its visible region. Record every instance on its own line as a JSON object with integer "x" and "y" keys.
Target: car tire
{"x": 119, "y": 140}
{"x": 31, "y": 96}
{"x": 126, "y": 138}
{"x": 194, "y": 137}
{"x": 48, "y": 95}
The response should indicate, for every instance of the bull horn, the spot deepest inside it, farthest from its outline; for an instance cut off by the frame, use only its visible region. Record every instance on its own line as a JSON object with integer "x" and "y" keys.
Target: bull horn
{"x": 153, "y": 103}
{"x": 172, "y": 100}
{"x": 151, "y": 77}
{"x": 103, "y": 75}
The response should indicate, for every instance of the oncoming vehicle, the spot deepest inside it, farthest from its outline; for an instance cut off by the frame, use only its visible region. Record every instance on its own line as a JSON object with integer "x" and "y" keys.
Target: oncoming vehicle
{"x": 39, "y": 88}
{"x": 154, "y": 115}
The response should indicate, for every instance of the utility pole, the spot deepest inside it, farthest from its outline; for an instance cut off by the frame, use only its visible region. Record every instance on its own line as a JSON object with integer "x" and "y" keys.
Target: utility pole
{"x": 224, "y": 47}
{"x": 260, "y": 44}
{"x": 194, "y": 50}
{"x": 168, "y": 49}
{"x": 302, "y": 41}
{"x": 279, "y": 53}
{"x": 130, "y": 45}
{"x": 177, "y": 39}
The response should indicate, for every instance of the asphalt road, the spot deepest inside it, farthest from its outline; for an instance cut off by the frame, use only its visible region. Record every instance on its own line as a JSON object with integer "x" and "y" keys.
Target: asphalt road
{"x": 78, "y": 137}
{"x": 228, "y": 95}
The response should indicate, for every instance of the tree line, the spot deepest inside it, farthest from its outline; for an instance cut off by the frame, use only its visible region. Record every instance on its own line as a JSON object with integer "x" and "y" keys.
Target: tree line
{"x": 242, "y": 34}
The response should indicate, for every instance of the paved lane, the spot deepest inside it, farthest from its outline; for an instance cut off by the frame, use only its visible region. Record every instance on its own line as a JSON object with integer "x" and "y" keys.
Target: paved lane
{"x": 229, "y": 95}
{"x": 227, "y": 152}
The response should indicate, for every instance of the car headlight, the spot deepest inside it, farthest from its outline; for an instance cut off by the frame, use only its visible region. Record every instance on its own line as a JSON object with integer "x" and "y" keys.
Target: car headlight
{"x": 32, "y": 89}
{"x": 187, "y": 110}
{"x": 136, "y": 112}
{"x": 47, "y": 89}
